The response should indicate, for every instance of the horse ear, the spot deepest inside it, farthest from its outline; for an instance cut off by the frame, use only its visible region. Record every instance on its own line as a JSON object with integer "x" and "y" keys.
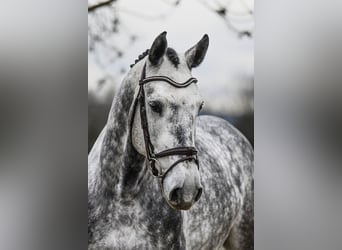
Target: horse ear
{"x": 158, "y": 49}
{"x": 195, "y": 55}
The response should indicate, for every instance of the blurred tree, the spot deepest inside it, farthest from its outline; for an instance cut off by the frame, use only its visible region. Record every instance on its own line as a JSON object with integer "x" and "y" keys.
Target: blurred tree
{"x": 104, "y": 23}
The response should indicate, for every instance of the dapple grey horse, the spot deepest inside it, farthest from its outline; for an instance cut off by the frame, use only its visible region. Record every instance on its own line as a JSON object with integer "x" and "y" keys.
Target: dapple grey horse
{"x": 202, "y": 201}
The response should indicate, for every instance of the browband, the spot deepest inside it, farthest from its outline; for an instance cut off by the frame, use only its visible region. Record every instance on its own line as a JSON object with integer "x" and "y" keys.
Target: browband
{"x": 168, "y": 80}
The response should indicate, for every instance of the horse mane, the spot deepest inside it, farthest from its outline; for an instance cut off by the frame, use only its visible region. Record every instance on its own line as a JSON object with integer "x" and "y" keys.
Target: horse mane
{"x": 170, "y": 53}
{"x": 140, "y": 57}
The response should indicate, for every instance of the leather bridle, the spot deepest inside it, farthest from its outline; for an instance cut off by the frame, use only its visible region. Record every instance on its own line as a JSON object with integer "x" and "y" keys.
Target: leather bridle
{"x": 188, "y": 153}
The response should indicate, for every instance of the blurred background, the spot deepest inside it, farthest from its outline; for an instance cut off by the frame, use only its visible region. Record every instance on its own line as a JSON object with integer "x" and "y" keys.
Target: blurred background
{"x": 119, "y": 31}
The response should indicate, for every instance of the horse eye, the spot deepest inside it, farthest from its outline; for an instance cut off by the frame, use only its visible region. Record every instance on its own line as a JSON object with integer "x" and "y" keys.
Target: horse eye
{"x": 156, "y": 106}
{"x": 201, "y": 106}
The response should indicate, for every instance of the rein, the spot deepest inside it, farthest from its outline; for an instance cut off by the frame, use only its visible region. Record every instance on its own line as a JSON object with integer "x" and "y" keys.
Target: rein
{"x": 189, "y": 153}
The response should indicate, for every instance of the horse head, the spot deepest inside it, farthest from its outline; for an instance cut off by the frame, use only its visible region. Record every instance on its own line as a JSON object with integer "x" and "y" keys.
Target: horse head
{"x": 168, "y": 102}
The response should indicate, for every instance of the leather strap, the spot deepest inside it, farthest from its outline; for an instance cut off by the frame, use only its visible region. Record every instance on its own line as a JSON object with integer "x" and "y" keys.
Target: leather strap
{"x": 177, "y": 151}
{"x": 168, "y": 80}
{"x": 190, "y": 153}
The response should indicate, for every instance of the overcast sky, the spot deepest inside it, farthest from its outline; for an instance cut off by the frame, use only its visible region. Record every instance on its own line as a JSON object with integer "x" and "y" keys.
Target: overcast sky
{"x": 229, "y": 65}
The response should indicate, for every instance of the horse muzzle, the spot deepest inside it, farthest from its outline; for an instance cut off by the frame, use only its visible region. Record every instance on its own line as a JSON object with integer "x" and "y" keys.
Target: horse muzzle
{"x": 181, "y": 190}
{"x": 180, "y": 201}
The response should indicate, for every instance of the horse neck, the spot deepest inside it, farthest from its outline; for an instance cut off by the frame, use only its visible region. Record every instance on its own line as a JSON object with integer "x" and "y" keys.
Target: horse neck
{"x": 122, "y": 167}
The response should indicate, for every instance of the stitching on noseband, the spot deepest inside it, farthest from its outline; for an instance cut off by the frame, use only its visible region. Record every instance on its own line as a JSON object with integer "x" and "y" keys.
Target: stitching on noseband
{"x": 190, "y": 153}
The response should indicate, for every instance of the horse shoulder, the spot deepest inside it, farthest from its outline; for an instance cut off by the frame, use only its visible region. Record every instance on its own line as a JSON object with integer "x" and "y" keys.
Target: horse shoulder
{"x": 224, "y": 137}
{"x": 226, "y": 165}
{"x": 238, "y": 161}
{"x": 221, "y": 143}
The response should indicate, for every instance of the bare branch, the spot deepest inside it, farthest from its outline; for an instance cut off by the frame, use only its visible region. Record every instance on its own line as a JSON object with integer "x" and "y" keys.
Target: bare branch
{"x": 99, "y": 5}
{"x": 144, "y": 16}
{"x": 225, "y": 14}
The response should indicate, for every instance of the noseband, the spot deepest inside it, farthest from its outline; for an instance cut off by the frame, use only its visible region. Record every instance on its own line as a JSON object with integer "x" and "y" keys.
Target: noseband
{"x": 188, "y": 153}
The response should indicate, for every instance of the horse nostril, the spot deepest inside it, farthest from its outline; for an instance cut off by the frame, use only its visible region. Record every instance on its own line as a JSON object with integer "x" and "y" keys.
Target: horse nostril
{"x": 175, "y": 195}
{"x": 199, "y": 193}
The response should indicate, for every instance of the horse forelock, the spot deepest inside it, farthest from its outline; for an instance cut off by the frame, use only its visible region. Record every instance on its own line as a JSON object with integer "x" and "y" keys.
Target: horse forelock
{"x": 172, "y": 55}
